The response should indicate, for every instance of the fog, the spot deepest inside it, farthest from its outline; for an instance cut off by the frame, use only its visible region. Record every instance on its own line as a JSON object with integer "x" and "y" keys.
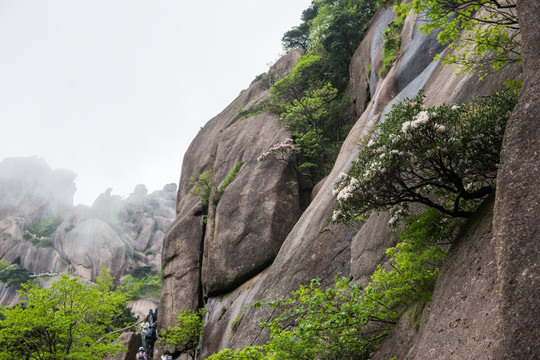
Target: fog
{"x": 115, "y": 91}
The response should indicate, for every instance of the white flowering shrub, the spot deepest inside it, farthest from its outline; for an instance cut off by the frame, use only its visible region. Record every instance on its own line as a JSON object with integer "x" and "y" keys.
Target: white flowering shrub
{"x": 280, "y": 151}
{"x": 444, "y": 157}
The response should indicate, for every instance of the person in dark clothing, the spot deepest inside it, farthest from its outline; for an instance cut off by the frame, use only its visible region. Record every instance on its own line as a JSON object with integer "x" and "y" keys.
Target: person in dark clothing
{"x": 150, "y": 317}
{"x": 150, "y": 340}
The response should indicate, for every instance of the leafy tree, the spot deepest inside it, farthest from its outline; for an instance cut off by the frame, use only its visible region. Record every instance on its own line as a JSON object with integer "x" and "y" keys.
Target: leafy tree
{"x": 297, "y": 37}
{"x": 69, "y": 320}
{"x": 142, "y": 284}
{"x": 484, "y": 33}
{"x": 185, "y": 335}
{"x": 444, "y": 157}
{"x": 13, "y": 275}
{"x": 415, "y": 261}
{"x": 314, "y": 113}
{"x": 202, "y": 185}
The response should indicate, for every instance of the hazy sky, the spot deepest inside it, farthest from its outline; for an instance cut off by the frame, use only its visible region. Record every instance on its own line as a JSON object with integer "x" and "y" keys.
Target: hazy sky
{"x": 116, "y": 90}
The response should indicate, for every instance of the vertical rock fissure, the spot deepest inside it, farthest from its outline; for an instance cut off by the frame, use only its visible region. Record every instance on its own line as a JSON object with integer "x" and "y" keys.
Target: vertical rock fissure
{"x": 201, "y": 300}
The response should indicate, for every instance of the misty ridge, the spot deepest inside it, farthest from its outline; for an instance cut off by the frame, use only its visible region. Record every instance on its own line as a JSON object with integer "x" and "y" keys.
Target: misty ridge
{"x": 43, "y": 235}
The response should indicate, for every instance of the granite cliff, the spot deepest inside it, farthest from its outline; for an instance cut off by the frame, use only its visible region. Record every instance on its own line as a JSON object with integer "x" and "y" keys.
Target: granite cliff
{"x": 121, "y": 235}
{"x": 255, "y": 244}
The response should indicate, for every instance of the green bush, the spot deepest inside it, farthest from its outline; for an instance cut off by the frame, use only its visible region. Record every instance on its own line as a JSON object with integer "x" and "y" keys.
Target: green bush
{"x": 202, "y": 185}
{"x": 14, "y": 275}
{"x": 391, "y": 43}
{"x": 228, "y": 179}
{"x": 185, "y": 335}
{"x": 47, "y": 226}
{"x": 37, "y": 242}
{"x": 346, "y": 321}
{"x": 142, "y": 284}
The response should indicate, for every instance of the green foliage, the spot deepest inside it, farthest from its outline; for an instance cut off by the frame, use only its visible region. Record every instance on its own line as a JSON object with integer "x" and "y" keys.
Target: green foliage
{"x": 346, "y": 321}
{"x": 13, "y": 275}
{"x": 202, "y": 185}
{"x": 244, "y": 114}
{"x": 228, "y": 179}
{"x": 314, "y": 113}
{"x": 37, "y": 242}
{"x": 414, "y": 262}
{"x": 184, "y": 336}
{"x": 235, "y": 323}
{"x": 483, "y": 33}
{"x": 444, "y": 157}
{"x": 142, "y": 284}
{"x": 47, "y": 226}
{"x": 311, "y": 101}
{"x": 391, "y": 42}
{"x": 57, "y": 322}
{"x": 297, "y": 37}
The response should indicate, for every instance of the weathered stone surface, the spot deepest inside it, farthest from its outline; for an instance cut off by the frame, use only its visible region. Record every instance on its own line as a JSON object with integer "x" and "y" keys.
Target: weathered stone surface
{"x": 131, "y": 341}
{"x": 369, "y": 245}
{"x": 182, "y": 249}
{"x": 464, "y": 312}
{"x": 517, "y": 206}
{"x": 95, "y": 237}
{"x": 181, "y": 259}
{"x": 313, "y": 249}
{"x": 257, "y": 209}
{"x": 226, "y": 314}
{"x": 110, "y": 207}
{"x": 361, "y": 89}
{"x": 140, "y": 307}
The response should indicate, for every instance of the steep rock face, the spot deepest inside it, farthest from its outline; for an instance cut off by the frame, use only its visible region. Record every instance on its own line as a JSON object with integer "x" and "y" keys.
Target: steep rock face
{"x": 260, "y": 202}
{"x": 462, "y": 319}
{"x": 253, "y": 191}
{"x": 466, "y": 309}
{"x": 517, "y": 206}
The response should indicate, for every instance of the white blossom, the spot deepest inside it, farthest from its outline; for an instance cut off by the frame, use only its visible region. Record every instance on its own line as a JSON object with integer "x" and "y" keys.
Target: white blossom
{"x": 336, "y": 215}
{"x": 439, "y": 127}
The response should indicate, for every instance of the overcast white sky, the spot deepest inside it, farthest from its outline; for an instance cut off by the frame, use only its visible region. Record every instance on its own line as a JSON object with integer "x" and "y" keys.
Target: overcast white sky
{"x": 116, "y": 90}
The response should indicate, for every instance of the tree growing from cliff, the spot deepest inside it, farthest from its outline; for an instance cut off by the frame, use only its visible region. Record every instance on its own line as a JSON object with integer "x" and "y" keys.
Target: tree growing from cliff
{"x": 483, "y": 33}
{"x": 314, "y": 113}
{"x": 444, "y": 157}
{"x": 69, "y": 320}
{"x": 185, "y": 335}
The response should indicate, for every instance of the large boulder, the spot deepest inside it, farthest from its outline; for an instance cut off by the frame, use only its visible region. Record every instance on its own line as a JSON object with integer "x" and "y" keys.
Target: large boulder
{"x": 89, "y": 245}
{"x": 257, "y": 209}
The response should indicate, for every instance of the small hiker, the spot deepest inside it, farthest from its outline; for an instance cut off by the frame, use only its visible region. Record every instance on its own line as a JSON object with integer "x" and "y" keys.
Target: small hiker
{"x": 150, "y": 317}
{"x": 141, "y": 355}
{"x": 145, "y": 326}
{"x": 151, "y": 338}
{"x": 166, "y": 355}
